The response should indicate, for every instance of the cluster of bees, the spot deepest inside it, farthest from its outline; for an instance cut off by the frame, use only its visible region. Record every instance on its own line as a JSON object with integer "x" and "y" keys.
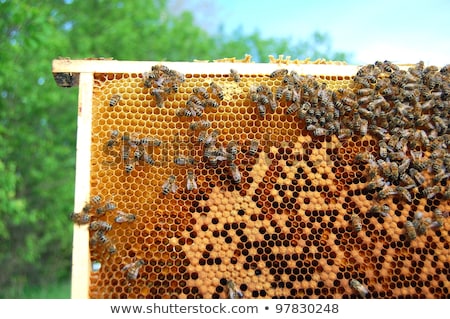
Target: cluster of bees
{"x": 212, "y": 154}
{"x": 419, "y": 225}
{"x": 132, "y": 149}
{"x": 201, "y": 99}
{"x": 408, "y": 111}
{"x": 90, "y": 214}
{"x": 162, "y": 81}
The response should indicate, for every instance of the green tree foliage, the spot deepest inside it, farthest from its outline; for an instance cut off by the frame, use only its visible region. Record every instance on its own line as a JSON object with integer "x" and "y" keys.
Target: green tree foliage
{"x": 38, "y": 119}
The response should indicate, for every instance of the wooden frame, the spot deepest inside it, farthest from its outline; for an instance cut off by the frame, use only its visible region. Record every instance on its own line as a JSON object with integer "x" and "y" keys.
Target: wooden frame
{"x": 81, "y": 73}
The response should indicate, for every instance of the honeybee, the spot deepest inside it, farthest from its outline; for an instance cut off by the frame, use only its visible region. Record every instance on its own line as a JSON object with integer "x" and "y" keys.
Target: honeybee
{"x": 359, "y": 288}
{"x": 289, "y": 95}
{"x": 364, "y": 157}
{"x": 110, "y": 247}
{"x": 96, "y": 200}
{"x": 420, "y": 179}
{"x": 363, "y": 81}
{"x": 235, "y": 75}
{"x": 372, "y": 171}
{"x": 356, "y": 222}
{"x": 80, "y": 218}
{"x": 262, "y": 89}
{"x": 211, "y": 139}
{"x": 288, "y": 80}
{"x": 235, "y": 174}
{"x": 418, "y": 161}
{"x": 138, "y": 154}
{"x": 158, "y": 94}
{"x": 319, "y": 131}
{"x": 407, "y": 180}
{"x": 332, "y": 127}
{"x": 211, "y": 103}
{"x": 150, "y": 141}
{"x": 190, "y": 181}
{"x": 296, "y": 78}
{"x": 410, "y": 230}
{"x": 123, "y": 217}
{"x": 87, "y": 207}
{"x": 160, "y": 68}
{"x": 217, "y": 90}
{"x": 169, "y": 185}
{"x": 183, "y": 160}
{"x": 386, "y": 191}
{"x": 363, "y": 126}
{"x": 389, "y": 169}
{"x": 184, "y": 112}
{"x": 212, "y": 160}
{"x": 132, "y": 269}
{"x": 403, "y": 166}
{"x": 404, "y": 193}
{"x": 437, "y": 165}
{"x": 107, "y": 207}
{"x": 294, "y": 107}
{"x": 431, "y": 191}
{"x": 201, "y": 91}
{"x": 115, "y": 98}
{"x": 349, "y": 101}
{"x": 113, "y": 138}
{"x": 364, "y": 92}
{"x": 261, "y": 110}
{"x": 200, "y": 125}
{"x": 100, "y": 225}
{"x": 233, "y": 291}
{"x": 279, "y": 93}
{"x": 344, "y": 133}
{"x": 148, "y": 78}
{"x": 148, "y": 159}
{"x": 99, "y": 237}
{"x": 383, "y": 149}
{"x": 440, "y": 176}
{"x": 387, "y": 66}
{"x": 376, "y": 183}
{"x": 379, "y": 131}
{"x": 438, "y": 221}
{"x": 279, "y": 73}
{"x": 382, "y": 210}
{"x": 195, "y": 104}
{"x": 253, "y": 149}
{"x": 232, "y": 148}
{"x": 420, "y": 224}
{"x": 129, "y": 168}
{"x": 202, "y": 137}
{"x": 176, "y": 76}
{"x": 211, "y": 150}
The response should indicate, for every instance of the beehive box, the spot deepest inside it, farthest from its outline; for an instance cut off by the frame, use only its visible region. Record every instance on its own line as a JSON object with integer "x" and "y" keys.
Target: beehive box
{"x": 290, "y": 179}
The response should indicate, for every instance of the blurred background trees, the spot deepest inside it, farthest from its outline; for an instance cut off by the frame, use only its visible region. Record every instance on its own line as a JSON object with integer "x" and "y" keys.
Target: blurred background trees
{"x": 38, "y": 119}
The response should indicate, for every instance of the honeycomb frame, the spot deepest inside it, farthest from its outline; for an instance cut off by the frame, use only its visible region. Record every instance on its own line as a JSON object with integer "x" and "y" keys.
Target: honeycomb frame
{"x": 286, "y": 229}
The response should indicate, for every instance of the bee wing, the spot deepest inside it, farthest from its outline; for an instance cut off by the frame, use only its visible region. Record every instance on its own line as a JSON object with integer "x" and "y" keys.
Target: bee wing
{"x": 127, "y": 266}
{"x": 120, "y": 218}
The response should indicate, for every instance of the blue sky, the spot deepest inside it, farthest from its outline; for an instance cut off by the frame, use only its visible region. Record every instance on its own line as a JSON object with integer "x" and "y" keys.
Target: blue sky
{"x": 400, "y": 31}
